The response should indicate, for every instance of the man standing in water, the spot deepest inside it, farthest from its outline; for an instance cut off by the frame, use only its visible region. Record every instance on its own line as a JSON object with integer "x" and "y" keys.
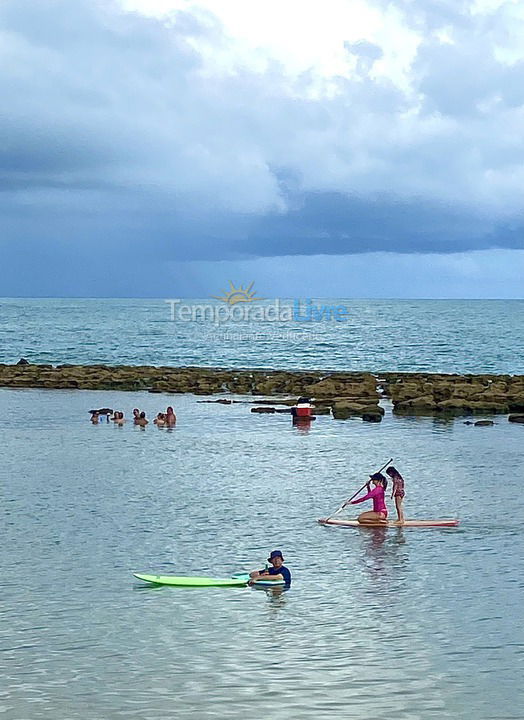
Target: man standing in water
{"x": 278, "y": 571}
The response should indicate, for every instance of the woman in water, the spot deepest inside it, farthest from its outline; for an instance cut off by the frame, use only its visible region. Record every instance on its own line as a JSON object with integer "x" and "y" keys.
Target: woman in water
{"x": 170, "y": 416}
{"x": 398, "y": 491}
{"x": 160, "y": 420}
{"x": 119, "y": 418}
{"x": 141, "y": 420}
{"x": 379, "y": 513}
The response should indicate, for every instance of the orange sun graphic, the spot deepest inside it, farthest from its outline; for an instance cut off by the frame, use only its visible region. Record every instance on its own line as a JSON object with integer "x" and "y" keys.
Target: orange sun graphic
{"x": 238, "y": 294}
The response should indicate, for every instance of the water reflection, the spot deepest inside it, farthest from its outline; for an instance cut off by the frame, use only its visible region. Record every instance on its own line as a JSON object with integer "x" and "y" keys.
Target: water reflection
{"x": 276, "y": 597}
{"x": 443, "y": 422}
{"x": 302, "y": 424}
{"x": 380, "y": 546}
{"x": 378, "y": 538}
{"x": 400, "y": 537}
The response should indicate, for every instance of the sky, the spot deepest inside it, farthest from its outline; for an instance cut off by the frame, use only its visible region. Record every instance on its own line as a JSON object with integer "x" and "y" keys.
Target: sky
{"x": 348, "y": 148}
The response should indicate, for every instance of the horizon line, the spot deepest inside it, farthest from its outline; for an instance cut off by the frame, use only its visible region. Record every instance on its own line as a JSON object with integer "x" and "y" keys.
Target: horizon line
{"x": 276, "y": 297}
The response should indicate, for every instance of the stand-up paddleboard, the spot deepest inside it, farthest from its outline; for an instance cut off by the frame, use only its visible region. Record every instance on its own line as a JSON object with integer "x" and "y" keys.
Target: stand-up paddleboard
{"x": 239, "y": 580}
{"x": 390, "y": 523}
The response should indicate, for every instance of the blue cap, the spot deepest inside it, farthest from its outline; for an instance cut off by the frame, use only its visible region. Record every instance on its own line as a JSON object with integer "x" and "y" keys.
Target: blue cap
{"x": 274, "y": 554}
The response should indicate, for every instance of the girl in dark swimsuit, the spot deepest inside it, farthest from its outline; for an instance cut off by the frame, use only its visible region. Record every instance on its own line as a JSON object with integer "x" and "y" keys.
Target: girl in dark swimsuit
{"x": 398, "y": 491}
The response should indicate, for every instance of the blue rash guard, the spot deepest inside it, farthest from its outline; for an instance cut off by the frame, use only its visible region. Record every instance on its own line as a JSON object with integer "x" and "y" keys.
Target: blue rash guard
{"x": 282, "y": 570}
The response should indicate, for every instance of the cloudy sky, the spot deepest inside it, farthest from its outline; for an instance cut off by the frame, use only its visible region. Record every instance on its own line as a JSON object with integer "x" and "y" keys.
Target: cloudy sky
{"x": 342, "y": 148}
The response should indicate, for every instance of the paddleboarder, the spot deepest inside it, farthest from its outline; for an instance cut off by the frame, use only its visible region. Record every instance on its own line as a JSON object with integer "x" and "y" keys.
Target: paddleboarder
{"x": 278, "y": 568}
{"x": 379, "y": 513}
{"x": 397, "y": 492}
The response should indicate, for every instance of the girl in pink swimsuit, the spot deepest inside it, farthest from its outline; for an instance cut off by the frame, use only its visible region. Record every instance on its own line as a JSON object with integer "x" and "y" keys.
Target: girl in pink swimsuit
{"x": 379, "y": 513}
{"x": 398, "y": 491}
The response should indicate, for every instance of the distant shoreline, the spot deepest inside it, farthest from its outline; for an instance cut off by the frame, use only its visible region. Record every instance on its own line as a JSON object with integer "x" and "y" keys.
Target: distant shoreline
{"x": 347, "y": 394}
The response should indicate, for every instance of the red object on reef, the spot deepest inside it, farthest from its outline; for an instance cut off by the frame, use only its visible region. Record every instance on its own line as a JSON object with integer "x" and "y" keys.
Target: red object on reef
{"x": 302, "y": 409}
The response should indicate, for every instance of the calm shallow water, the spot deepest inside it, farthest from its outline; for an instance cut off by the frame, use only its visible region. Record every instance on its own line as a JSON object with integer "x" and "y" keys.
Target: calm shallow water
{"x": 407, "y": 624}
{"x": 407, "y": 335}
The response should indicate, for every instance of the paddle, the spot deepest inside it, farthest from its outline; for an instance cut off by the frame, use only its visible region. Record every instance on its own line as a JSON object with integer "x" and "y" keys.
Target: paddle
{"x": 358, "y": 491}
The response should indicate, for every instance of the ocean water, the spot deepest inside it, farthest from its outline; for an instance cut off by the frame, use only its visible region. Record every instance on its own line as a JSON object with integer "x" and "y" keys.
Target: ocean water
{"x": 400, "y": 624}
{"x": 378, "y": 335}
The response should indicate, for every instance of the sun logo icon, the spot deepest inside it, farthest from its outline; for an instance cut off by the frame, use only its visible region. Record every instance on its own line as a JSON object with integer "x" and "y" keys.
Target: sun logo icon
{"x": 238, "y": 294}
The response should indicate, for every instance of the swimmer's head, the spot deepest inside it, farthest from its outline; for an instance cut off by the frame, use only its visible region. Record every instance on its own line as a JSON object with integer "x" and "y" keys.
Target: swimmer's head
{"x": 276, "y": 558}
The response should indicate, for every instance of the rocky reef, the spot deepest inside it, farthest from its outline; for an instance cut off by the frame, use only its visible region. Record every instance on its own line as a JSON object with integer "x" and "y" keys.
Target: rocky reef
{"x": 347, "y": 393}
{"x": 430, "y": 394}
{"x": 344, "y": 394}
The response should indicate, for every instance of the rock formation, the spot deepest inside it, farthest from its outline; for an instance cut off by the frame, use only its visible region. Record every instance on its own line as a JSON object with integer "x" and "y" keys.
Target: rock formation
{"x": 345, "y": 394}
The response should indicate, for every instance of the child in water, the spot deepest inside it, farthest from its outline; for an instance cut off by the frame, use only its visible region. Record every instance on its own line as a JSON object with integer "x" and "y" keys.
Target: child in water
{"x": 379, "y": 514}
{"x": 398, "y": 491}
{"x": 278, "y": 568}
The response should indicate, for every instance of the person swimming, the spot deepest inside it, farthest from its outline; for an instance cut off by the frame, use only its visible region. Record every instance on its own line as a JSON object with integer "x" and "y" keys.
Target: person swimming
{"x": 95, "y": 418}
{"x": 160, "y": 420}
{"x": 119, "y": 418}
{"x": 142, "y": 421}
{"x": 170, "y": 417}
{"x": 379, "y": 513}
{"x": 136, "y": 416}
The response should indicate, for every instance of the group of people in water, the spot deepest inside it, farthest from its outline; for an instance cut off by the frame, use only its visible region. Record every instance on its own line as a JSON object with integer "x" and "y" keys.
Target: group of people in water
{"x": 379, "y": 514}
{"x": 163, "y": 419}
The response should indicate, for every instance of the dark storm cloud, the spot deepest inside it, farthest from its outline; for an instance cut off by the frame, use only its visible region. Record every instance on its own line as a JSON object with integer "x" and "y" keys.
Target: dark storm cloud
{"x": 120, "y": 151}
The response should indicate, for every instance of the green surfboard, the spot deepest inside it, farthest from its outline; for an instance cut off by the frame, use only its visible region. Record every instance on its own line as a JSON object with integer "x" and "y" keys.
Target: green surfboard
{"x": 185, "y": 581}
{"x": 238, "y": 580}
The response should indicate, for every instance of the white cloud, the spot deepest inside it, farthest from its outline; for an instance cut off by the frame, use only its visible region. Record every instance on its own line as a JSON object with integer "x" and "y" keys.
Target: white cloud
{"x": 392, "y": 123}
{"x": 300, "y": 37}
